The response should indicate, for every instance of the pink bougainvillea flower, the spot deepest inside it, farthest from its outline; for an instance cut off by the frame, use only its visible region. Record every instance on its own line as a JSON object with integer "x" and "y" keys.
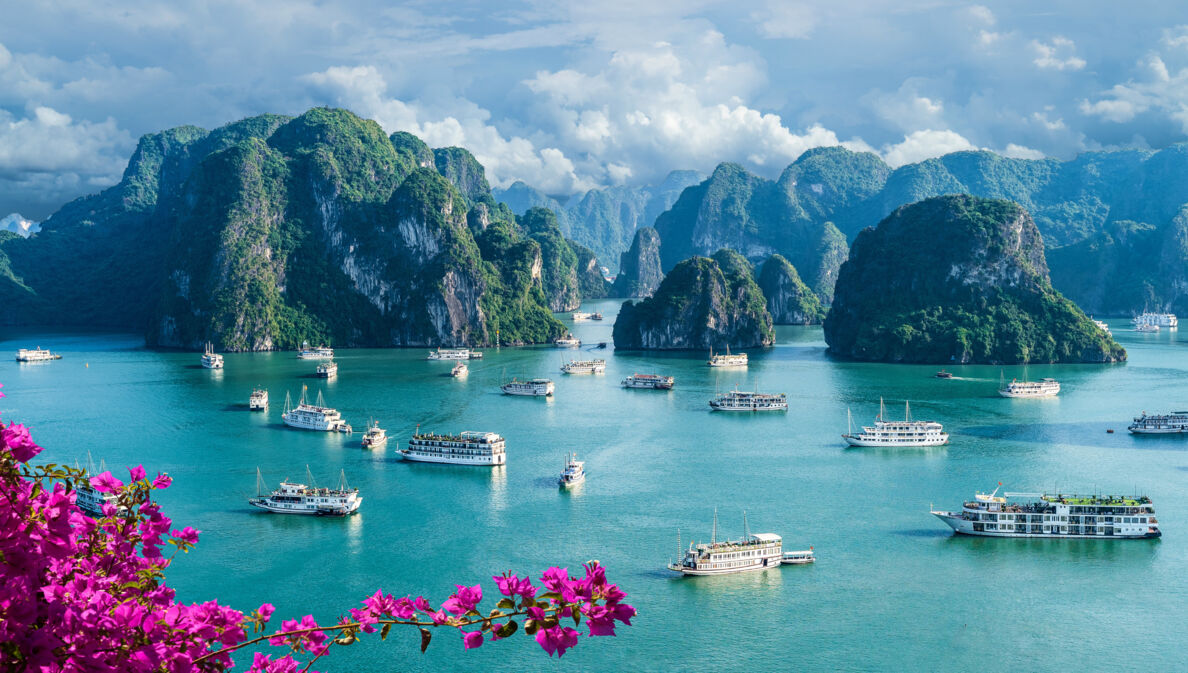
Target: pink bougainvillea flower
{"x": 557, "y": 639}
{"x": 16, "y": 437}
{"x": 105, "y": 483}
{"x": 187, "y": 535}
{"x": 136, "y": 473}
{"x": 472, "y": 639}
{"x": 463, "y": 600}
{"x": 162, "y": 481}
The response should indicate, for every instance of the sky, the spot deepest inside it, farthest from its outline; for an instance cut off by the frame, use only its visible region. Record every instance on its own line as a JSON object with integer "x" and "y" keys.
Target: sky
{"x": 571, "y": 96}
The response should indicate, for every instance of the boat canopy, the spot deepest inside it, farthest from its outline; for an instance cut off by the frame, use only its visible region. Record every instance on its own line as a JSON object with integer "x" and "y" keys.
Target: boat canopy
{"x": 766, "y": 537}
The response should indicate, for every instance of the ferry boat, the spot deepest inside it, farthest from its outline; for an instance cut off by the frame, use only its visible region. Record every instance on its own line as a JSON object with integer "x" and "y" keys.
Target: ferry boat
{"x": 584, "y": 367}
{"x": 375, "y": 436}
{"x": 466, "y": 448}
{"x": 738, "y": 400}
{"x": 328, "y": 370}
{"x": 317, "y": 416}
{"x": 1040, "y": 388}
{"x": 319, "y": 353}
{"x": 1044, "y": 515}
{"x": 454, "y": 354}
{"x": 581, "y": 317}
{"x": 798, "y": 558}
{"x": 1101, "y": 325}
{"x": 38, "y": 354}
{"x": 574, "y": 472}
{"x": 649, "y": 381}
{"x": 905, "y": 433}
{"x": 596, "y": 316}
{"x": 1146, "y": 328}
{"x": 727, "y": 360}
{"x": 295, "y": 498}
{"x": 530, "y": 388}
{"x": 567, "y": 341}
{"x": 87, "y": 497}
{"x": 259, "y": 400}
{"x": 1174, "y": 423}
{"x": 211, "y": 359}
{"x": 460, "y": 369}
{"x": 759, "y": 551}
{"x": 1167, "y": 320}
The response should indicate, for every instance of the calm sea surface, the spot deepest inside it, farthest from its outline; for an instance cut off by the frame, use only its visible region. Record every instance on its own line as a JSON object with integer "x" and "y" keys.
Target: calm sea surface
{"x": 892, "y": 590}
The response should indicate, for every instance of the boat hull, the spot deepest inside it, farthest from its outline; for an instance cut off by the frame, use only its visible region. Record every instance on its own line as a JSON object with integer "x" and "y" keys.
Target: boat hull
{"x": 475, "y": 461}
{"x": 963, "y": 526}
{"x": 374, "y": 444}
{"x": 1158, "y": 431}
{"x": 308, "y": 510}
{"x": 858, "y": 442}
{"x": 527, "y": 393}
{"x": 318, "y": 427}
{"x": 766, "y": 564}
{"x": 566, "y": 483}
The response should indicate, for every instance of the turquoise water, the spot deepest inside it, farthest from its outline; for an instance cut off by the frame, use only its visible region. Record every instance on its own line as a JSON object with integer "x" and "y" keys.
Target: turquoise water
{"x": 892, "y": 590}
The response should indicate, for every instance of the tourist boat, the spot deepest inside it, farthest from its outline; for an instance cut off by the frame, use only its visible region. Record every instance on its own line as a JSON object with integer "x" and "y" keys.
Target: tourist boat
{"x": 584, "y": 367}
{"x": 649, "y": 381}
{"x": 466, "y": 448}
{"x": 1044, "y": 515}
{"x": 460, "y": 369}
{"x": 87, "y": 497}
{"x": 1146, "y": 328}
{"x": 596, "y": 316}
{"x": 567, "y": 341}
{"x": 798, "y": 558}
{"x": 328, "y": 370}
{"x": 727, "y": 360}
{"x": 295, "y": 498}
{"x": 259, "y": 400}
{"x": 1167, "y": 320}
{"x": 574, "y": 472}
{"x": 1160, "y": 424}
{"x": 375, "y": 436}
{"x": 580, "y": 317}
{"x": 759, "y": 551}
{"x": 739, "y": 400}
{"x": 211, "y": 359}
{"x": 530, "y": 388}
{"x": 1101, "y": 324}
{"x": 319, "y": 353}
{"x": 942, "y": 374}
{"x": 317, "y": 416}
{"x": 1040, "y": 388}
{"x": 38, "y": 354}
{"x": 905, "y": 433}
{"x": 454, "y": 354}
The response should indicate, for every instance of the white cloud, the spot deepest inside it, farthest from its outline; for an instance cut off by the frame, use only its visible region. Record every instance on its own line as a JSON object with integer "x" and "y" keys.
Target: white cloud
{"x": 922, "y": 145}
{"x": 1059, "y": 54}
{"x": 49, "y": 141}
{"x": 1021, "y": 152}
{"x": 15, "y": 223}
{"x": 790, "y": 20}
{"x": 907, "y": 108}
{"x": 1114, "y": 110}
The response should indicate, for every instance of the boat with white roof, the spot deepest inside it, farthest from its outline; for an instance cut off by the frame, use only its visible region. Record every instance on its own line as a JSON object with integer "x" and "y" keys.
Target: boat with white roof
{"x": 464, "y": 448}
{"x": 584, "y": 367}
{"x": 1040, "y": 388}
{"x": 580, "y": 317}
{"x": 741, "y": 400}
{"x": 1175, "y": 423}
{"x": 727, "y": 359}
{"x": 460, "y": 369}
{"x": 296, "y": 498}
{"x": 38, "y": 354}
{"x": 454, "y": 354}
{"x": 258, "y": 400}
{"x": 88, "y": 498}
{"x": 896, "y": 434}
{"x": 1046, "y": 515}
{"x": 758, "y": 551}
{"x": 328, "y": 370}
{"x": 567, "y": 341}
{"x": 798, "y": 558}
{"x": 1163, "y": 320}
{"x": 574, "y": 472}
{"x": 211, "y": 359}
{"x": 375, "y": 436}
{"x": 529, "y": 388}
{"x": 316, "y": 416}
{"x": 319, "y": 353}
{"x": 649, "y": 381}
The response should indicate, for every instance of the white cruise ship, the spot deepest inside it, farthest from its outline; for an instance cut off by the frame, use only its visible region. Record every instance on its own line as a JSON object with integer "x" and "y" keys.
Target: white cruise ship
{"x": 649, "y": 381}
{"x": 460, "y": 369}
{"x": 319, "y": 353}
{"x": 1101, "y": 325}
{"x": 318, "y": 417}
{"x": 530, "y": 388}
{"x": 905, "y": 433}
{"x": 211, "y": 359}
{"x": 584, "y": 367}
{"x": 739, "y": 400}
{"x": 87, "y": 497}
{"x": 727, "y": 359}
{"x": 758, "y": 551}
{"x": 1044, "y": 515}
{"x": 328, "y": 370}
{"x": 1174, "y": 423}
{"x": 38, "y": 354}
{"x": 295, "y": 498}
{"x": 567, "y": 341}
{"x": 454, "y": 354}
{"x": 258, "y": 400}
{"x": 1040, "y": 388}
{"x": 375, "y": 436}
{"x": 574, "y": 472}
{"x": 1164, "y": 320}
{"x": 582, "y": 317}
{"x": 467, "y": 448}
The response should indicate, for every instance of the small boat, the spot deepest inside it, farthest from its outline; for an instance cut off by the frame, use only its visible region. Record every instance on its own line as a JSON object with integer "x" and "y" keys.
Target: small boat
{"x": 601, "y": 344}
{"x": 328, "y": 370}
{"x": 798, "y": 558}
{"x": 375, "y": 436}
{"x": 531, "y": 388}
{"x": 727, "y": 360}
{"x": 595, "y": 316}
{"x": 38, "y": 354}
{"x": 574, "y": 472}
{"x": 580, "y": 317}
{"x": 1146, "y": 327}
{"x": 319, "y": 417}
{"x": 942, "y": 374}
{"x": 567, "y": 341}
{"x": 460, "y": 369}
{"x": 259, "y": 400}
{"x": 294, "y": 498}
{"x": 211, "y": 359}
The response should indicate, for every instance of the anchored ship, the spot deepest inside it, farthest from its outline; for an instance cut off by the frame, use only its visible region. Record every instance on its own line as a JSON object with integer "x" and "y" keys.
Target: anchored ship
{"x": 375, "y": 436}
{"x": 87, "y": 497}
{"x": 460, "y": 369}
{"x": 38, "y": 354}
{"x": 294, "y": 498}
{"x": 758, "y": 551}
{"x": 530, "y": 388}
{"x": 317, "y": 416}
{"x": 739, "y": 400}
{"x": 1160, "y": 424}
{"x": 649, "y": 381}
{"x": 567, "y": 341}
{"x": 580, "y": 317}
{"x": 727, "y": 360}
{"x": 319, "y": 353}
{"x": 1040, "y": 388}
{"x": 574, "y": 472}
{"x": 1044, "y": 515}
{"x": 584, "y": 367}
{"x": 905, "y": 433}
{"x": 454, "y": 354}
{"x": 259, "y": 399}
{"x": 1165, "y": 320}
{"x": 211, "y": 359}
{"x": 328, "y": 370}
{"x": 466, "y": 448}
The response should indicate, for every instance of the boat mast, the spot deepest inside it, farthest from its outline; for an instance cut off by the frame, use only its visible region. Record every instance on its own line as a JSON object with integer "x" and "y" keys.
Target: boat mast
{"x": 714, "y": 534}
{"x": 849, "y": 422}
{"x": 309, "y": 477}
{"x": 907, "y": 411}
{"x": 882, "y": 409}
{"x": 288, "y": 402}
{"x": 259, "y": 483}
{"x": 746, "y": 528}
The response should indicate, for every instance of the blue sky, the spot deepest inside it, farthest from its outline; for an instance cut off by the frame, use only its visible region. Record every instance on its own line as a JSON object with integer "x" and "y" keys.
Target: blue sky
{"x": 571, "y": 96}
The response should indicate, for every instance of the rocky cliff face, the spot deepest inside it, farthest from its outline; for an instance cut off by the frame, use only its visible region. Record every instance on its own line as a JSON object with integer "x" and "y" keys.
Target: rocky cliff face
{"x": 463, "y": 171}
{"x": 639, "y": 267}
{"x": 559, "y": 261}
{"x": 702, "y": 303}
{"x": 591, "y": 283}
{"x": 789, "y": 300}
{"x": 957, "y": 279}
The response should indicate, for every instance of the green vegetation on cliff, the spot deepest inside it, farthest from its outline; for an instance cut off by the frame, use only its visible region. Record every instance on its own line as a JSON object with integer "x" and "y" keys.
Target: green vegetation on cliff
{"x": 789, "y": 300}
{"x": 559, "y": 262}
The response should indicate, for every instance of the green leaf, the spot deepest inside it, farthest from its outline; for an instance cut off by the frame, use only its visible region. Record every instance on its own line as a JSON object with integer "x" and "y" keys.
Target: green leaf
{"x": 506, "y": 604}
{"x": 507, "y": 629}
{"x": 425, "y": 636}
{"x": 577, "y": 617}
{"x": 552, "y": 595}
{"x": 531, "y": 626}
{"x": 384, "y": 631}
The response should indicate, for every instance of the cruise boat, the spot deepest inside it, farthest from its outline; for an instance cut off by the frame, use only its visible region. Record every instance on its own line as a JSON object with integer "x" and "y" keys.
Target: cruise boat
{"x": 259, "y": 400}
{"x": 649, "y": 381}
{"x": 38, "y": 354}
{"x": 581, "y": 317}
{"x": 211, "y": 359}
{"x": 295, "y": 498}
{"x": 460, "y": 369}
{"x": 798, "y": 558}
{"x": 317, "y": 416}
{"x": 530, "y": 388}
{"x": 454, "y": 354}
{"x": 1174, "y": 423}
{"x": 739, "y": 400}
{"x": 584, "y": 367}
{"x": 596, "y": 316}
{"x": 574, "y": 472}
{"x": 1044, "y": 515}
{"x": 758, "y": 551}
{"x": 1165, "y": 320}
{"x": 466, "y": 448}
{"x": 1040, "y": 388}
{"x": 87, "y": 497}
{"x": 567, "y": 341}
{"x": 1146, "y": 328}
{"x": 319, "y": 353}
{"x": 375, "y": 436}
{"x": 328, "y": 370}
{"x": 727, "y": 360}
{"x": 905, "y": 433}
{"x": 1101, "y": 324}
